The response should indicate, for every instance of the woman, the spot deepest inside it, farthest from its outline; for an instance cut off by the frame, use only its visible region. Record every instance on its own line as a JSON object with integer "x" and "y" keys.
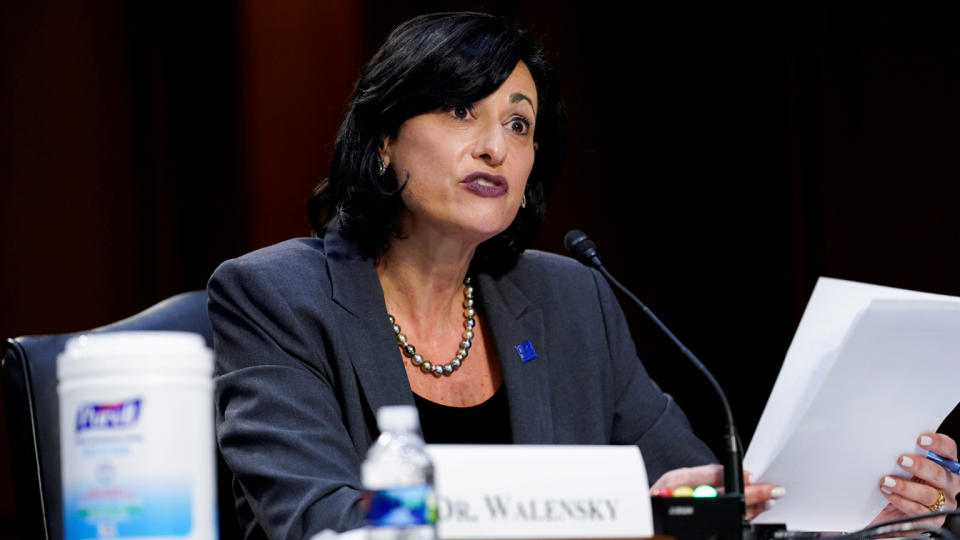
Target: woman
{"x": 418, "y": 290}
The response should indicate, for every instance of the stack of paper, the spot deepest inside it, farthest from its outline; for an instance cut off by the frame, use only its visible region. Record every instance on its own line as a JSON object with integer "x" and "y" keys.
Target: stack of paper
{"x": 869, "y": 368}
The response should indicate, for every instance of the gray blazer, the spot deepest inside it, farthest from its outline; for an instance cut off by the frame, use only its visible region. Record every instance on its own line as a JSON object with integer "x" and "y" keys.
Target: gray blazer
{"x": 305, "y": 355}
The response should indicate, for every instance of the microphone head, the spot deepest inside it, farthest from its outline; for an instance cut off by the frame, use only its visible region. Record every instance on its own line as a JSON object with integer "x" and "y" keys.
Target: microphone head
{"x": 581, "y": 247}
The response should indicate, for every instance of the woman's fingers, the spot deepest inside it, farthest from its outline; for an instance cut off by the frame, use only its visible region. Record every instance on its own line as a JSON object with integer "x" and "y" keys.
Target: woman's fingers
{"x": 754, "y": 510}
{"x": 759, "y": 494}
{"x": 926, "y": 470}
{"x": 691, "y": 476}
{"x": 757, "y": 497}
{"x": 908, "y": 506}
{"x": 902, "y": 492}
{"x": 921, "y": 493}
{"x": 923, "y": 468}
{"x": 939, "y": 444}
{"x": 761, "y": 497}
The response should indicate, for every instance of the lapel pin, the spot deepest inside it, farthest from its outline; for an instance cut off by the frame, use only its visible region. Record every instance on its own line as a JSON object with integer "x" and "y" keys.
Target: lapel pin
{"x": 526, "y": 352}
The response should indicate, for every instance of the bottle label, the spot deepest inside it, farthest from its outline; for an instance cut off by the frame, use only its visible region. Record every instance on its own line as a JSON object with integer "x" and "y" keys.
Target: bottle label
{"x": 136, "y": 460}
{"x": 402, "y": 506}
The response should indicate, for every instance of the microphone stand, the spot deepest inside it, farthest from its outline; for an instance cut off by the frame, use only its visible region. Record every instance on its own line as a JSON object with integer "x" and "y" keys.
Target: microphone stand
{"x": 717, "y": 515}
{"x": 733, "y": 465}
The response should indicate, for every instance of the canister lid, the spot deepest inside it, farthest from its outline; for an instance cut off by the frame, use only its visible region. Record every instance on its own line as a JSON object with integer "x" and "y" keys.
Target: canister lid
{"x": 132, "y": 352}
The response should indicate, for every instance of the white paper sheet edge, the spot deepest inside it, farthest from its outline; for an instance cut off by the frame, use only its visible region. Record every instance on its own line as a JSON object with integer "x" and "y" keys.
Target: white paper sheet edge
{"x": 833, "y": 308}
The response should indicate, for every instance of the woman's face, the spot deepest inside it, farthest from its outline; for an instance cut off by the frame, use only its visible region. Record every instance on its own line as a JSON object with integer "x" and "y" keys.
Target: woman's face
{"x": 466, "y": 167}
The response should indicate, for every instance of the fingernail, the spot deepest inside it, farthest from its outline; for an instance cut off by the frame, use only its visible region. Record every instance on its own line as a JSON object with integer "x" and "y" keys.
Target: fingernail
{"x": 769, "y": 504}
{"x": 778, "y": 492}
{"x": 885, "y": 490}
{"x": 889, "y": 482}
{"x": 749, "y": 478}
{"x": 926, "y": 440}
{"x": 906, "y": 461}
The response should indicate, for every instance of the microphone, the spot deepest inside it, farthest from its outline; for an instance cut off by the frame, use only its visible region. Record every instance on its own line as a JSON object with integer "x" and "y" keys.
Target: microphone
{"x": 582, "y": 248}
{"x": 585, "y": 250}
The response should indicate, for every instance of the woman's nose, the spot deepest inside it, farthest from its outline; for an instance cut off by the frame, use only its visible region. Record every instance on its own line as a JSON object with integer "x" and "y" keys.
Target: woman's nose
{"x": 490, "y": 145}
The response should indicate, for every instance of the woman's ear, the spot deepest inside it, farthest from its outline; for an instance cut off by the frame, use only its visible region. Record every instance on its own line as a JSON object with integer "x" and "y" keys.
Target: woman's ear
{"x": 384, "y": 151}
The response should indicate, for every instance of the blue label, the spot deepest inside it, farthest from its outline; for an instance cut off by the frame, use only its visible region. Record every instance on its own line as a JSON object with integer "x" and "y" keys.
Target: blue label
{"x": 127, "y": 512}
{"x": 119, "y": 414}
{"x": 401, "y": 507}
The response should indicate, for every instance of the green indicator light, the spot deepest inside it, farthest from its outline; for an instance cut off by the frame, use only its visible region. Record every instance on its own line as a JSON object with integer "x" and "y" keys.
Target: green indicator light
{"x": 705, "y": 491}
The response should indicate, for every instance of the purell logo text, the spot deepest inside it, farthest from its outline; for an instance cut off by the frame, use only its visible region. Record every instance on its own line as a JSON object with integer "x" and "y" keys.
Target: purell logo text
{"x": 108, "y": 415}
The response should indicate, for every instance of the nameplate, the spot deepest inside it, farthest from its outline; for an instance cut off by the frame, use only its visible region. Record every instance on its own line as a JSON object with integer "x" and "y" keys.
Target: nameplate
{"x": 516, "y": 491}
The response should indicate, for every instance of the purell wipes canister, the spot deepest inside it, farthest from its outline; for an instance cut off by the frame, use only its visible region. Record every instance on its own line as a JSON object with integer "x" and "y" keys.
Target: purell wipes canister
{"x": 136, "y": 436}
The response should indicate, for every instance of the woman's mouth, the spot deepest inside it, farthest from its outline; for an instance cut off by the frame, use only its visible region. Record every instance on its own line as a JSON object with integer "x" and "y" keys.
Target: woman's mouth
{"x": 486, "y": 185}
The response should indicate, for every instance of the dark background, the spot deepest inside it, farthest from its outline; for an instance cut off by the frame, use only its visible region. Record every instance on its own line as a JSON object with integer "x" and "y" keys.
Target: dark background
{"x": 723, "y": 157}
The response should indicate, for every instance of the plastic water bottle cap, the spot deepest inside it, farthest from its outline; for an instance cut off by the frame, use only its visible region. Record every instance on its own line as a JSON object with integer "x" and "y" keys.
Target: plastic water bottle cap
{"x": 398, "y": 418}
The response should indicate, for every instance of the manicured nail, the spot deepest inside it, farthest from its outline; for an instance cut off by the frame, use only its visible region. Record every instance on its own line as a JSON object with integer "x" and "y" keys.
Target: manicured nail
{"x": 885, "y": 490}
{"x": 926, "y": 440}
{"x": 769, "y": 504}
{"x": 889, "y": 482}
{"x": 749, "y": 478}
{"x": 778, "y": 492}
{"x": 906, "y": 461}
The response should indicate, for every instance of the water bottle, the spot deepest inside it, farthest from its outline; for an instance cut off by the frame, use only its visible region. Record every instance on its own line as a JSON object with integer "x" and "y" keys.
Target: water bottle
{"x": 398, "y": 479}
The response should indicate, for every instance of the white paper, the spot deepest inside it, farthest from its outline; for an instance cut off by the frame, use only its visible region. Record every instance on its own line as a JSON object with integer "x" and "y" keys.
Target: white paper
{"x": 869, "y": 368}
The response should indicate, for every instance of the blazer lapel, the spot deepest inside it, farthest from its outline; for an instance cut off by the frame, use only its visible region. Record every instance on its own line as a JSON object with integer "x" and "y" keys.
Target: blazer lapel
{"x": 514, "y": 320}
{"x": 372, "y": 345}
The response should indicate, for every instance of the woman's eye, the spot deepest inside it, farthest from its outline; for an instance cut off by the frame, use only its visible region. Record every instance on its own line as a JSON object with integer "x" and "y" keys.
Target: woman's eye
{"x": 461, "y": 112}
{"x": 520, "y": 126}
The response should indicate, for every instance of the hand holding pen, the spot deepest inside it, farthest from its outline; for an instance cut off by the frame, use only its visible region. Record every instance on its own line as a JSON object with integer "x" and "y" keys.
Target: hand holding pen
{"x": 948, "y": 464}
{"x": 934, "y": 484}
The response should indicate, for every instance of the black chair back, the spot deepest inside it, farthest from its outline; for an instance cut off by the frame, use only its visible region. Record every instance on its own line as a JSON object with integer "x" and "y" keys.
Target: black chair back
{"x": 33, "y": 416}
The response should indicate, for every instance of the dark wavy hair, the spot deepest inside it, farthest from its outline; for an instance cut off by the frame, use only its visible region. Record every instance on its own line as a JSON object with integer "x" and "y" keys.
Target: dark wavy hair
{"x": 430, "y": 62}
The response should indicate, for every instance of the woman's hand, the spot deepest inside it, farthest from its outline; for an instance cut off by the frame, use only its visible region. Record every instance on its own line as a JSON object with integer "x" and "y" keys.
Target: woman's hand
{"x": 920, "y": 494}
{"x": 757, "y": 497}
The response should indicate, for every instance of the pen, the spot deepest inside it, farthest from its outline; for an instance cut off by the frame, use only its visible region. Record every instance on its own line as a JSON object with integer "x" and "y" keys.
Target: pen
{"x": 947, "y": 464}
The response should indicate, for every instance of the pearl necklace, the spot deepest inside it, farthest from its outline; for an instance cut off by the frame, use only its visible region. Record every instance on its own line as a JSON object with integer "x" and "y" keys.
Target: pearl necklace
{"x": 469, "y": 322}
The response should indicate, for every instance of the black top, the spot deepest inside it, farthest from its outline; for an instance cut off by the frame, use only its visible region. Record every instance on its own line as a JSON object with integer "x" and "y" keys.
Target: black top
{"x": 485, "y": 423}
